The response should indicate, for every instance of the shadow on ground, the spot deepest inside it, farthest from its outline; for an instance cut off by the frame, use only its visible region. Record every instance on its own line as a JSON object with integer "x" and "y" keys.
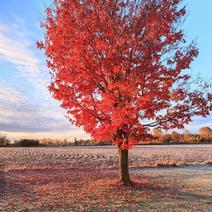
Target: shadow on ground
{"x": 47, "y": 188}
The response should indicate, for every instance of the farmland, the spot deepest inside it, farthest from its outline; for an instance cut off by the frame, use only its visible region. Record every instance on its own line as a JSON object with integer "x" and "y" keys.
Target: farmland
{"x": 84, "y": 178}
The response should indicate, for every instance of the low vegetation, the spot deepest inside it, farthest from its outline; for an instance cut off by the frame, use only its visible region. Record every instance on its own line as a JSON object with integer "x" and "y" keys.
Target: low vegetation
{"x": 169, "y": 164}
{"x": 3, "y": 140}
{"x": 27, "y": 143}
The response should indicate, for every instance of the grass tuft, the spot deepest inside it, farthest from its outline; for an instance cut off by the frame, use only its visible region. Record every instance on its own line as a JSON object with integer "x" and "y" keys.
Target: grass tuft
{"x": 208, "y": 162}
{"x": 169, "y": 164}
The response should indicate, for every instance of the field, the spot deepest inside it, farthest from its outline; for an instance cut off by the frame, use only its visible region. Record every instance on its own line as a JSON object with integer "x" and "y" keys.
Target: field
{"x": 167, "y": 178}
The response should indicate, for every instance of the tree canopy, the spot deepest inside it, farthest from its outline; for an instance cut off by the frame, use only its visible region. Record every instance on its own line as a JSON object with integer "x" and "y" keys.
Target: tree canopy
{"x": 120, "y": 67}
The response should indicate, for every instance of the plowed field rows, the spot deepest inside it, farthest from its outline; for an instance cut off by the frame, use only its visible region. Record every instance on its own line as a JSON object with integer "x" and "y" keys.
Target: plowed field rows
{"x": 106, "y": 157}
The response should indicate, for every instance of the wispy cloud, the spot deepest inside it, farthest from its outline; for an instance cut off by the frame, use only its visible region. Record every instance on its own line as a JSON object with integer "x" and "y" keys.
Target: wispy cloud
{"x": 16, "y": 48}
{"x": 19, "y": 114}
{"x": 9, "y": 93}
{"x": 33, "y": 111}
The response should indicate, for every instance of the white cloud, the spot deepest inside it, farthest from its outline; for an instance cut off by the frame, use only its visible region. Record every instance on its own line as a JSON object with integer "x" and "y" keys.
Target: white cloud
{"x": 10, "y": 94}
{"x": 17, "y": 112}
{"x": 16, "y": 48}
{"x": 23, "y": 109}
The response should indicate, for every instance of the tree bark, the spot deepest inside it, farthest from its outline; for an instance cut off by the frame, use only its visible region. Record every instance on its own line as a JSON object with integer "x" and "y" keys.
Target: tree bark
{"x": 124, "y": 177}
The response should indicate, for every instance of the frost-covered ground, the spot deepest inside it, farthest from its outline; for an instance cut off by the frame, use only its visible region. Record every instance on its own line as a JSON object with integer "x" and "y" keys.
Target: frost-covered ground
{"x": 84, "y": 179}
{"x": 106, "y": 157}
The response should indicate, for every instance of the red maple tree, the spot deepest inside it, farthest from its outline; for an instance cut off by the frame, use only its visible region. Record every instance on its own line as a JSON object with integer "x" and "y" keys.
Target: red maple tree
{"x": 120, "y": 67}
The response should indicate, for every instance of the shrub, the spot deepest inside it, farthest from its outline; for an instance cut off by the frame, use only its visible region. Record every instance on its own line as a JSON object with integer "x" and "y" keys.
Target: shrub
{"x": 164, "y": 138}
{"x": 156, "y": 132}
{"x": 175, "y": 136}
{"x": 28, "y": 142}
{"x": 190, "y": 138}
{"x": 205, "y": 134}
{"x": 3, "y": 140}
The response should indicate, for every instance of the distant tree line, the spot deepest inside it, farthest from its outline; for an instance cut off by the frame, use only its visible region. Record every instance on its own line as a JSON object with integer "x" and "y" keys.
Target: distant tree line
{"x": 157, "y": 137}
{"x": 205, "y": 135}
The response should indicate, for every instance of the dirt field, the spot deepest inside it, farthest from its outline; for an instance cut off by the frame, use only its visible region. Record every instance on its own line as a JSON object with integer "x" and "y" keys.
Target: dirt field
{"x": 84, "y": 179}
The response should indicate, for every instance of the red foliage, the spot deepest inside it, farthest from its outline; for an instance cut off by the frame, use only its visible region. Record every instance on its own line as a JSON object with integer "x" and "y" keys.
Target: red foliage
{"x": 116, "y": 65}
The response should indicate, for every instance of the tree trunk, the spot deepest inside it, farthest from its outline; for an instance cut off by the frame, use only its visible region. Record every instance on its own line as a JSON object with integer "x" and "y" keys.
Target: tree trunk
{"x": 124, "y": 177}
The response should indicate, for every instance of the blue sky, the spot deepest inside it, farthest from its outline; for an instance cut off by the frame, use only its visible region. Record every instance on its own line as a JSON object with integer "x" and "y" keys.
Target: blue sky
{"x": 26, "y": 107}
